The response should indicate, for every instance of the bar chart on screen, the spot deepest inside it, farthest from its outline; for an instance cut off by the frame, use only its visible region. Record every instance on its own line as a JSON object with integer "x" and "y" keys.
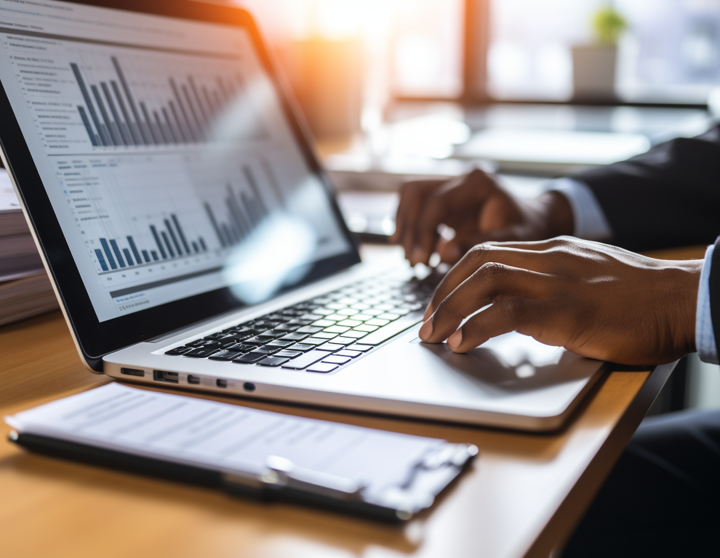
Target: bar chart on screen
{"x": 87, "y": 97}
{"x": 131, "y": 225}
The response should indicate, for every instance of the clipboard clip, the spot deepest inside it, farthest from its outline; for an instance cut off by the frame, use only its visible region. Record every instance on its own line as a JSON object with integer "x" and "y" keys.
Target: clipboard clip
{"x": 282, "y": 473}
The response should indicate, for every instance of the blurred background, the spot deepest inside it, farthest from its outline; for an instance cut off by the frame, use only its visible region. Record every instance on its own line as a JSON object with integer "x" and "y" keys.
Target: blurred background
{"x": 400, "y": 89}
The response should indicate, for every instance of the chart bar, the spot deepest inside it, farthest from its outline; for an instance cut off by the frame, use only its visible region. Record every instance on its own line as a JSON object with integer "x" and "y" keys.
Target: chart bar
{"x": 101, "y": 259}
{"x": 134, "y": 133}
{"x": 108, "y": 124}
{"x": 83, "y": 116}
{"x": 116, "y": 251}
{"x": 215, "y": 225}
{"x": 108, "y": 253}
{"x": 154, "y": 255}
{"x": 134, "y": 249}
{"x": 195, "y": 247}
{"x": 128, "y": 257}
{"x": 180, "y": 232}
{"x": 198, "y": 124}
{"x": 128, "y": 94}
{"x": 146, "y": 256}
{"x": 181, "y": 107}
{"x": 156, "y": 236}
{"x": 173, "y": 237}
{"x": 119, "y": 124}
{"x": 88, "y": 101}
{"x": 167, "y": 244}
{"x": 202, "y": 243}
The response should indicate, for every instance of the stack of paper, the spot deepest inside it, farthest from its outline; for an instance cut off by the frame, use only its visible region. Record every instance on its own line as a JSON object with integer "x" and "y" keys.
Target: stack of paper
{"x": 24, "y": 287}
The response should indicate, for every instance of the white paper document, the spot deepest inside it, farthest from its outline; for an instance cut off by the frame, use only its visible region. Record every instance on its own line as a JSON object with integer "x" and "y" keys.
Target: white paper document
{"x": 223, "y": 437}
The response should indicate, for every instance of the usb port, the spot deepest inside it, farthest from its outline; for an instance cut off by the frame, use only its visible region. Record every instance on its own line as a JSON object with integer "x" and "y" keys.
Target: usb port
{"x": 132, "y": 372}
{"x": 162, "y": 376}
{"x": 221, "y": 383}
{"x": 194, "y": 380}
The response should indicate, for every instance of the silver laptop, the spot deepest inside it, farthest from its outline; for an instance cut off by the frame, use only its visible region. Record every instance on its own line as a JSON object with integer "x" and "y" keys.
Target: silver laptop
{"x": 194, "y": 241}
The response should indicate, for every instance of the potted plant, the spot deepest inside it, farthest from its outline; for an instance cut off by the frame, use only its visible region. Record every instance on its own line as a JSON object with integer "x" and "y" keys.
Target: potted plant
{"x": 594, "y": 64}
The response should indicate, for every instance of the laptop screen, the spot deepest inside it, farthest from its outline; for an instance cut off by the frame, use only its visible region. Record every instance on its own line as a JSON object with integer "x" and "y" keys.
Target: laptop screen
{"x": 166, "y": 154}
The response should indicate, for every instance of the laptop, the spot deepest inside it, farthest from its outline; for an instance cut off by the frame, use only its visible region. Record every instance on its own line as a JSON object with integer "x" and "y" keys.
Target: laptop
{"x": 194, "y": 241}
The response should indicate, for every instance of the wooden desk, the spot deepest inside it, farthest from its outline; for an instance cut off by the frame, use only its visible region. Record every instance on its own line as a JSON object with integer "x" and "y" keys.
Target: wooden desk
{"x": 523, "y": 495}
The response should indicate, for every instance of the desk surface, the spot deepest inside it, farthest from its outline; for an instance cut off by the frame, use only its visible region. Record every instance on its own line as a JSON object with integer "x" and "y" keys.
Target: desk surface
{"x": 522, "y": 496}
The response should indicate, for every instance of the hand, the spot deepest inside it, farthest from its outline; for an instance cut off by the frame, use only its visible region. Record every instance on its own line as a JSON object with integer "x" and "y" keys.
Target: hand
{"x": 595, "y": 300}
{"x": 479, "y": 210}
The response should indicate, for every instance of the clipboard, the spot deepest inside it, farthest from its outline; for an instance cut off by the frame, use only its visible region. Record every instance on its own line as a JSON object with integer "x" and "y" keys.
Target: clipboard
{"x": 418, "y": 474}
{"x": 281, "y": 481}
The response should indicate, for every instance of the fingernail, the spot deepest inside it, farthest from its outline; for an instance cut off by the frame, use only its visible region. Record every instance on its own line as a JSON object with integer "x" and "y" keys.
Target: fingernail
{"x": 455, "y": 339}
{"x": 428, "y": 313}
{"x": 426, "y": 330}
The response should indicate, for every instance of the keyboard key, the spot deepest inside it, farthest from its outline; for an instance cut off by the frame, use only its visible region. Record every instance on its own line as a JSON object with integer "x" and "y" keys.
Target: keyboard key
{"x": 287, "y": 327}
{"x": 360, "y": 348}
{"x": 335, "y": 306}
{"x": 349, "y": 354}
{"x": 355, "y": 334}
{"x": 305, "y": 360}
{"x": 365, "y": 328}
{"x": 257, "y": 341}
{"x": 385, "y": 306}
{"x": 315, "y": 341}
{"x": 267, "y": 349}
{"x": 373, "y": 312}
{"x": 295, "y": 336}
{"x": 361, "y": 306}
{"x": 336, "y": 317}
{"x": 330, "y": 347}
{"x": 336, "y": 329}
{"x": 242, "y": 348}
{"x": 323, "y": 323}
{"x": 348, "y": 312}
{"x": 178, "y": 351}
{"x": 201, "y": 352}
{"x": 273, "y": 361}
{"x": 225, "y": 355}
{"x": 288, "y": 354}
{"x": 325, "y": 335}
{"x": 309, "y": 329}
{"x": 323, "y": 311}
{"x": 392, "y": 329}
{"x": 322, "y": 368}
{"x": 303, "y": 347}
{"x": 343, "y": 340}
{"x": 272, "y": 334}
{"x": 377, "y": 322}
{"x": 250, "y": 358}
{"x": 282, "y": 343}
{"x": 389, "y": 316}
{"x": 335, "y": 359}
{"x": 302, "y": 321}
{"x": 349, "y": 323}
{"x": 362, "y": 317}
{"x": 348, "y": 301}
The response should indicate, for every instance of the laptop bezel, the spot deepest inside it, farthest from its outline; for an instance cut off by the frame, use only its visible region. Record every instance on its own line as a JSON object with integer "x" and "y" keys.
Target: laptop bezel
{"x": 94, "y": 338}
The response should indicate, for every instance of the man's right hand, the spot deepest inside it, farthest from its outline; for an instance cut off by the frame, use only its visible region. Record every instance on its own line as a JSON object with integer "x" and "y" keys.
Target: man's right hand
{"x": 478, "y": 209}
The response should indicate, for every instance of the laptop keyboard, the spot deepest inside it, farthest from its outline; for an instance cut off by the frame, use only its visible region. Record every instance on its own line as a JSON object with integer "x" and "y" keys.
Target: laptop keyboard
{"x": 321, "y": 334}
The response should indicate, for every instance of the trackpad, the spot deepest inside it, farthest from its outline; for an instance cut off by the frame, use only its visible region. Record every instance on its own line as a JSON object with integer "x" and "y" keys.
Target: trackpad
{"x": 513, "y": 362}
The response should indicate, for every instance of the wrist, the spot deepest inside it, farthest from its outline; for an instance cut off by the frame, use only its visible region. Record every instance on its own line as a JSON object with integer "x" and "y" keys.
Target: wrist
{"x": 684, "y": 295}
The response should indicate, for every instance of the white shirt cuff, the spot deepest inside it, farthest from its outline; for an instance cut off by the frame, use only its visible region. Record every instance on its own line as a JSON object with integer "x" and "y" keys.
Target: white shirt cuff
{"x": 704, "y": 331}
{"x": 590, "y": 221}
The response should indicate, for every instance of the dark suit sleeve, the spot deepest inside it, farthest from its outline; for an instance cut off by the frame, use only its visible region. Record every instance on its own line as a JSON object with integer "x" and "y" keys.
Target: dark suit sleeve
{"x": 669, "y": 196}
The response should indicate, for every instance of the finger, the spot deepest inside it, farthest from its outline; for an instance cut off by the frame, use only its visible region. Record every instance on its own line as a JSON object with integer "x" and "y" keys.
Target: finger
{"x": 412, "y": 200}
{"x": 536, "y": 245}
{"x": 491, "y": 281}
{"x": 451, "y": 251}
{"x": 510, "y": 314}
{"x": 470, "y": 190}
{"x": 480, "y": 255}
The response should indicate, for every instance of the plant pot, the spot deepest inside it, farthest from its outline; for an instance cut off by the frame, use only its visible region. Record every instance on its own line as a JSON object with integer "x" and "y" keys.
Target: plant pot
{"x": 594, "y": 72}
